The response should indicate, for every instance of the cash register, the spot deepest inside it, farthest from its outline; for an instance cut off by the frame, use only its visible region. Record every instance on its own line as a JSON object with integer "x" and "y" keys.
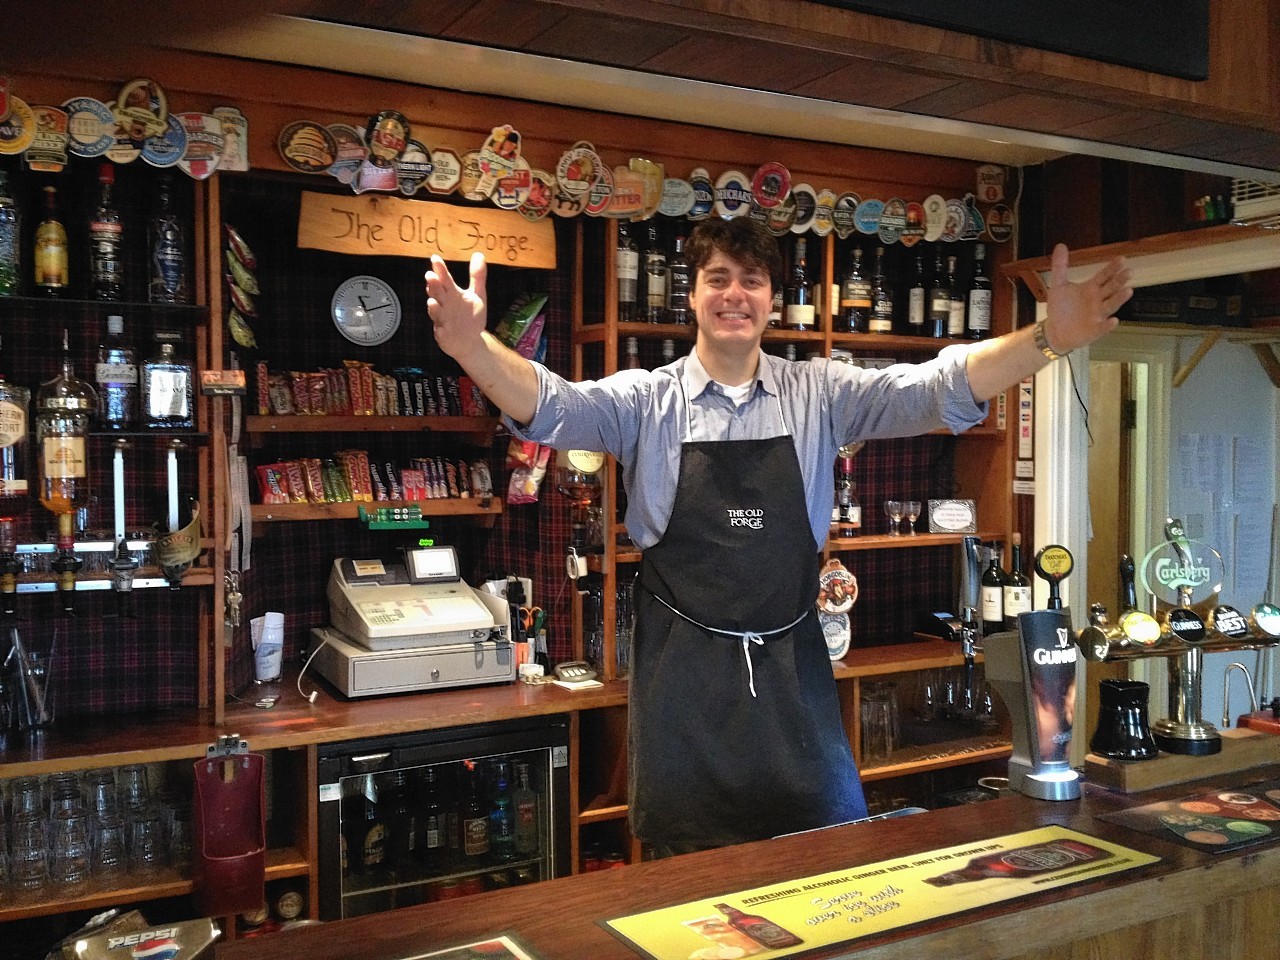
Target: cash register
{"x": 411, "y": 624}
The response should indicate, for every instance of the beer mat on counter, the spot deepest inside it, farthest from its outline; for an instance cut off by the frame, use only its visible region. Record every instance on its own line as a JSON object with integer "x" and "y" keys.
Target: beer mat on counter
{"x": 841, "y": 906}
{"x": 499, "y": 947}
{"x": 1217, "y": 820}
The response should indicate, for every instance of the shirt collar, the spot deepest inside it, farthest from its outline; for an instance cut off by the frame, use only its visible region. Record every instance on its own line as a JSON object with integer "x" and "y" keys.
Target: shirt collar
{"x": 696, "y": 378}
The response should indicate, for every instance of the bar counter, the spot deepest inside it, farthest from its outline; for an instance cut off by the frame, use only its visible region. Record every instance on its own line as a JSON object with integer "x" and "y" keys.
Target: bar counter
{"x": 1189, "y": 905}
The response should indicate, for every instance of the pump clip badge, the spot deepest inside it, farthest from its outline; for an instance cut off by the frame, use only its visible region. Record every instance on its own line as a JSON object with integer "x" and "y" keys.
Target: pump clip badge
{"x": 837, "y": 588}
{"x": 499, "y": 157}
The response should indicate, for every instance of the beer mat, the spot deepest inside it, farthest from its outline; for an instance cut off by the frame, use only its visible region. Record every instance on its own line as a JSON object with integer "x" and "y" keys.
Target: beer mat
{"x": 862, "y": 900}
{"x": 500, "y": 947}
{"x": 1217, "y": 820}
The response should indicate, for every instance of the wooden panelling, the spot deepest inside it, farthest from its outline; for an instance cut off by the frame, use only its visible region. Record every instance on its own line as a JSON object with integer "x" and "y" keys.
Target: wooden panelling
{"x": 872, "y": 83}
{"x": 761, "y": 66}
{"x": 1036, "y": 111}
{"x": 607, "y": 39}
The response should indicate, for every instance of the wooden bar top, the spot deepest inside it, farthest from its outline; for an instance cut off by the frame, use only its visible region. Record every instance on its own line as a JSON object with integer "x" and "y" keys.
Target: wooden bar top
{"x": 1190, "y": 904}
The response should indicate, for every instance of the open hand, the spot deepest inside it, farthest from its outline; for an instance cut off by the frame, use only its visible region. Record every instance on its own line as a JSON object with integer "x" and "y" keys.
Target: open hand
{"x": 1080, "y": 313}
{"x": 458, "y": 316}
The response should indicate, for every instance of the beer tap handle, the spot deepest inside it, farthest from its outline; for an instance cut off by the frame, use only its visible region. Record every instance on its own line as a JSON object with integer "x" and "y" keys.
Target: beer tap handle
{"x": 1053, "y": 564}
{"x": 1129, "y": 592}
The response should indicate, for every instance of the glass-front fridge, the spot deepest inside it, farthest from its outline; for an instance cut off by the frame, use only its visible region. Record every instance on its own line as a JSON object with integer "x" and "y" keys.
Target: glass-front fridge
{"x": 438, "y": 814}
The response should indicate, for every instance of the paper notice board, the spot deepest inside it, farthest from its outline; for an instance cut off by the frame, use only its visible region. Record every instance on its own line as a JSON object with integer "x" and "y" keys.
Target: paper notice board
{"x": 830, "y": 908}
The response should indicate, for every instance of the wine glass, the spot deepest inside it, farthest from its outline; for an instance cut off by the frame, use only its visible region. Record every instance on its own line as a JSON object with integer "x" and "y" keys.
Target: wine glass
{"x": 913, "y": 514}
{"x": 894, "y": 509}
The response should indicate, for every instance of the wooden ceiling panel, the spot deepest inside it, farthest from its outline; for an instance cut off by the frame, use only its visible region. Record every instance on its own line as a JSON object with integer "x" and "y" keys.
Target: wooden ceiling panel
{"x": 1034, "y": 111}
{"x": 759, "y": 65}
{"x": 1107, "y": 128}
{"x": 502, "y": 23}
{"x": 606, "y": 39}
{"x": 873, "y": 84}
{"x": 391, "y": 15}
{"x": 957, "y": 97}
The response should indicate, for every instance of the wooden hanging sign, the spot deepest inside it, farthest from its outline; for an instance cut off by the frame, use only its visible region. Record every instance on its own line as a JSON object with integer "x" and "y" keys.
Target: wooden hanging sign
{"x": 389, "y": 226}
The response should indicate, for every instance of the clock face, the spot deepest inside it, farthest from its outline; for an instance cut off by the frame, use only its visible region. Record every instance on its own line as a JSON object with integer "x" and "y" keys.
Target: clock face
{"x": 366, "y": 310}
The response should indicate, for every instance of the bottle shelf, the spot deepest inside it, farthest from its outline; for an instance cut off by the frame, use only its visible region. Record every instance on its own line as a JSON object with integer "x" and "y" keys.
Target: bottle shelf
{"x": 598, "y": 332}
{"x": 282, "y": 863}
{"x": 453, "y": 507}
{"x": 602, "y": 809}
{"x": 143, "y": 579}
{"x": 195, "y": 437}
{"x": 29, "y": 305}
{"x": 904, "y": 542}
{"x": 938, "y": 756}
{"x": 894, "y": 341}
{"x": 344, "y": 424}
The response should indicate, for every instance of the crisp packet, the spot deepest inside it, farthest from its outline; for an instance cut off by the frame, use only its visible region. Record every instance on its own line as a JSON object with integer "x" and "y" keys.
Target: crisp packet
{"x": 518, "y": 317}
{"x": 527, "y": 480}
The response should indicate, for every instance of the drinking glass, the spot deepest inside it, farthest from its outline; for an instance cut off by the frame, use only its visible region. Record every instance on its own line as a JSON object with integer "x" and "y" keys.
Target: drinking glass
{"x": 913, "y": 514}
{"x": 103, "y": 802}
{"x": 877, "y": 725}
{"x": 70, "y": 848}
{"x": 146, "y": 844}
{"x": 64, "y": 794}
{"x": 135, "y": 789}
{"x": 30, "y": 859}
{"x": 28, "y": 798}
{"x": 894, "y": 510}
{"x": 110, "y": 858}
{"x": 180, "y": 838}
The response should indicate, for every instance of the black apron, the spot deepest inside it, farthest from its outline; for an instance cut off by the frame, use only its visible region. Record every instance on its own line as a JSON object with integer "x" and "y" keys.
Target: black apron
{"x": 735, "y": 732}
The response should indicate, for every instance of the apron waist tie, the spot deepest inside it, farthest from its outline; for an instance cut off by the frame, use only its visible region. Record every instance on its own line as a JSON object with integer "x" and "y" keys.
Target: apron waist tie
{"x": 748, "y": 637}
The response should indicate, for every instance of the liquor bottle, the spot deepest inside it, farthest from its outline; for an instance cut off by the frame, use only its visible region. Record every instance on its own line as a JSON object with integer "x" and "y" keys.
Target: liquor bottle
{"x": 168, "y": 391}
{"x": 167, "y": 247}
{"x": 371, "y": 848}
{"x": 116, "y": 375}
{"x": 799, "y": 313}
{"x": 502, "y": 821}
{"x": 955, "y": 311}
{"x": 65, "y": 407}
{"x": 475, "y": 819}
{"x": 850, "y": 507}
{"x": 992, "y": 593}
{"x": 939, "y": 300}
{"x": 978, "y": 324}
{"x": 1017, "y": 588}
{"x": 627, "y": 261}
{"x": 106, "y": 241}
{"x": 451, "y": 798}
{"x": 775, "y": 309}
{"x": 435, "y": 821}
{"x": 763, "y": 931}
{"x": 655, "y": 278}
{"x": 668, "y": 352}
{"x": 632, "y": 361}
{"x": 881, "y": 298}
{"x": 679, "y": 283}
{"x": 52, "y": 274}
{"x": 1023, "y": 862}
{"x": 525, "y": 802}
{"x": 10, "y": 241}
{"x": 401, "y": 820}
{"x": 916, "y": 301}
{"x": 15, "y": 402}
{"x": 855, "y": 297}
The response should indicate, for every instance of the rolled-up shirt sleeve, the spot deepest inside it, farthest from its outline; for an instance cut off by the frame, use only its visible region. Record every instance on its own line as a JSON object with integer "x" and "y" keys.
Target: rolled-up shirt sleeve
{"x": 589, "y": 414}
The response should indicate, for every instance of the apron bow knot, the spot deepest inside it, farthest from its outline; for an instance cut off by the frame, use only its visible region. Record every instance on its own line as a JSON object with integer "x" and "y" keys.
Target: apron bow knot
{"x": 749, "y": 638}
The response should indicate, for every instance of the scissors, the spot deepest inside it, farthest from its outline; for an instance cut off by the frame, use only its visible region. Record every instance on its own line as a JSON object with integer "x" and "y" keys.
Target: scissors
{"x": 532, "y": 618}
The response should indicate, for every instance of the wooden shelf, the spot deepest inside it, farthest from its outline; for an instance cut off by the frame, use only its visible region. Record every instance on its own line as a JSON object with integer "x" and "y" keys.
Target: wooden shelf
{"x": 597, "y": 332}
{"x": 130, "y": 888}
{"x": 452, "y": 507}
{"x": 892, "y": 341}
{"x": 905, "y": 542}
{"x": 898, "y": 658}
{"x": 301, "y": 424}
{"x": 938, "y": 756}
{"x": 601, "y": 809}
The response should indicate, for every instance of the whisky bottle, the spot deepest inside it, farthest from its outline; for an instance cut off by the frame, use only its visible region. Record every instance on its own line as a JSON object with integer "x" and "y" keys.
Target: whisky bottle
{"x": 655, "y": 278}
{"x": 1023, "y": 862}
{"x": 955, "y": 305}
{"x": 502, "y": 821}
{"x": 167, "y": 244}
{"x": 668, "y": 352}
{"x": 1017, "y": 588}
{"x": 992, "y": 593}
{"x": 881, "y": 298}
{"x": 168, "y": 391}
{"x": 15, "y": 402}
{"x": 525, "y": 802}
{"x": 106, "y": 241}
{"x": 435, "y": 835}
{"x": 52, "y": 274}
{"x": 632, "y": 361}
{"x": 939, "y": 300}
{"x": 763, "y": 931}
{"x": 916, "y": 300}
{"x": 64, "y": 409}
{"x": 475, "y": 820}
{"x": 855, "y": 297}
{"x": 978, "y": 324}
{"x": 679, "y": 283}
{"x": 116, "y": 374}
{"x": 850, "y": 518}
{"x": 10, "y": 241}
{"x": 799, "y": 312}
{"x": 627, "y": 261}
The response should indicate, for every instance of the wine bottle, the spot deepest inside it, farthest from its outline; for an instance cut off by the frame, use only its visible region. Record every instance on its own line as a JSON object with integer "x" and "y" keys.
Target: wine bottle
{"x": 992, "y": 593}
{"x": 1017, "y": 588}
{"x": 916, "y": 300}
{"x": 10, "y": 241}
{"x": 978, "y": 323}
{"x": 855, "y": 297}
{"x": 655, "y": 278}
{"x": 939, "y": 300}
{"x": 881, "y": 297}
{"x": 799, "y": 312}
{"x": 627, "y": 261}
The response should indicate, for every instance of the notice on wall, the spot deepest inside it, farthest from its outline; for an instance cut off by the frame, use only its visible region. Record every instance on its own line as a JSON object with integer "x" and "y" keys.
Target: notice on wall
{"x": 371, "y": 225}
{"x": 844, "y": 905}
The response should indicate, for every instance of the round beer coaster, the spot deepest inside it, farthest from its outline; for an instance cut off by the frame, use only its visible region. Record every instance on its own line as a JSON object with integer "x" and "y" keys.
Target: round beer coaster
{"x": 733, "y": 194}
{"x": 578, "y": 168}
{"x": 771, "y": 184}
{"x": 166, "y": 150}
{"x": 600, "y": 194}
{"x": 91, "y": 126}
{"x": 1000, "y": 221}
{"x": 677, "y": 197}
{"x": 806, "y": 199}
{"x": 867, "y": 216}
{"x": 18, "y": 129}
{"x": 957, "y": 220}
{"x": 824, "y": 212}
{"x": 141, "y": 110}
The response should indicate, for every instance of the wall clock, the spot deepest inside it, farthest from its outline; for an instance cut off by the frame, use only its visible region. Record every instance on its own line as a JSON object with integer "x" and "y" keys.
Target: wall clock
{"x": 366, "y": 310}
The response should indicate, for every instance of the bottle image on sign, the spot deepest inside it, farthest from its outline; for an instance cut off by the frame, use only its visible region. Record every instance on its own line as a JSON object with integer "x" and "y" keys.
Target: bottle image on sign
{"x": 1023, "y": 862}
{"x": 763, "y": 931}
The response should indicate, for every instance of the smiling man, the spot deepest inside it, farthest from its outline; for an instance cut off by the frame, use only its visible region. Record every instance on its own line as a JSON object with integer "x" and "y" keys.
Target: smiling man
{"x": 734, "y": 724}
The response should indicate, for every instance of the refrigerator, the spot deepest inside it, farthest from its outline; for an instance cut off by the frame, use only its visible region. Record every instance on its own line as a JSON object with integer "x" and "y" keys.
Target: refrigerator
{"x": 433, "y": 815}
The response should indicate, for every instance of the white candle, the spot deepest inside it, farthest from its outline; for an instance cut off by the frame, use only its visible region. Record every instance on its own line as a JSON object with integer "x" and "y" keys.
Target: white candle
{"x": 118, "y": 484}
{"x": 173, "y": 489}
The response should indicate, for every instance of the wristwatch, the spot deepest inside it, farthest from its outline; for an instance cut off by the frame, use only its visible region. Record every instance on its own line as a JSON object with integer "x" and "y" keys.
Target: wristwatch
{"x": 1042, "y": 342}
